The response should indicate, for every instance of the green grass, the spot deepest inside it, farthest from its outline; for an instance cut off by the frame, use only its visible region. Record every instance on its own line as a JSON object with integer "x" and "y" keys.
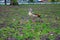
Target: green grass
{"x": 15, "y": 22}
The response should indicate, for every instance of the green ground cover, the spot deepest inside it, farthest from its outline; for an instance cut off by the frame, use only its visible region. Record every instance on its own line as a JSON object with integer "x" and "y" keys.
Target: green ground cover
{"x": 15, "y": 23}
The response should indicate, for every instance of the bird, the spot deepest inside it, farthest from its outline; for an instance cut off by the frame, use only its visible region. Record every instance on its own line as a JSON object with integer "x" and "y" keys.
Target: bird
{"x": 34, "y": 16}
{"x": 30, "y": 13}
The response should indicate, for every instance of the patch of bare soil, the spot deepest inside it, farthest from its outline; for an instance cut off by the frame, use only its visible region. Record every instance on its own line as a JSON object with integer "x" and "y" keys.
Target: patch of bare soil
{"x": 44, "y": 37}
{"x": 57, "y": 37}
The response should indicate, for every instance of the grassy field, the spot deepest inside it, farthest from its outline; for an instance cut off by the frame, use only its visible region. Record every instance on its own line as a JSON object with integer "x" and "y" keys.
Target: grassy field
{"x": 15, "y": 23}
